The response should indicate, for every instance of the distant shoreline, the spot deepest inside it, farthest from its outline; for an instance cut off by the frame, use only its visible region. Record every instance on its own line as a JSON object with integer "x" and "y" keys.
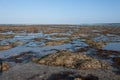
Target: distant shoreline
{"x": 91, "y": 24}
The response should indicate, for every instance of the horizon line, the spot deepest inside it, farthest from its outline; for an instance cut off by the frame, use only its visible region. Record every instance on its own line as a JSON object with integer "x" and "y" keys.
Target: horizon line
{"x": 57, "y": 24}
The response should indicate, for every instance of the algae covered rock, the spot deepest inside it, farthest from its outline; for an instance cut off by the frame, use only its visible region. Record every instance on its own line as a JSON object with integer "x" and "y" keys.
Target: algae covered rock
{"x": 73, "y": 60}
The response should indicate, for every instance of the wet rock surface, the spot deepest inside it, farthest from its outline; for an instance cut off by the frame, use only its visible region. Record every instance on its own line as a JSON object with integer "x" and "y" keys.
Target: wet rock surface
{"x": 71, "y": 76}
{"x": 107, "y": 53}
{"x": 116, "y": 61}
{"x": 24, "y": 57}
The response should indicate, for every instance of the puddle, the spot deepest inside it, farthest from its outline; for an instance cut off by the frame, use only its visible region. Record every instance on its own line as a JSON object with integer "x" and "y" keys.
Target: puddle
{"x": 10, "y": 32}
{"x": 25, "y": 43}
{"x": 35, "y": 47}
{"x": 79, "y": 43}
{"x": 35, "y": 44}
{"x": 40, "y": 50}
{"x": 67, "y": 34}
{"x": 114, "y": 46}
{"x": 62, "y": 38}
{"x": 101, "y": 38}
{"x": 96, "y": 31}
{"x": 28, "y": 36}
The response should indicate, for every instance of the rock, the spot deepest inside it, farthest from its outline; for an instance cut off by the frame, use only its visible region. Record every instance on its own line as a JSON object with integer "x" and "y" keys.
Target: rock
{"x": 68, "y": 75}
{"x": 58, "y": 42}
{"x": 18, "y": 43}
{"x": 6, "y": 36}
{"x": 4, "y": 66}
{"x": 94, "y": 44}
{"x": 91, "y": 63}
{"x": 5, "y": 47}
{"x": 91, "y": 77}
{"x": 73, "y": 60}
{"x": 23, "y": 57}
{"x": 37, "y": 39}
{"x": 78, "y": 79}
{"x": 116, "y": 61}
{"x": 34, "y": 59}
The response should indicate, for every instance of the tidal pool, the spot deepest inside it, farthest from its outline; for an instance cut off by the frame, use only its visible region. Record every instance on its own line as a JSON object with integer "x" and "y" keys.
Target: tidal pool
{"x": 114, "y": 46}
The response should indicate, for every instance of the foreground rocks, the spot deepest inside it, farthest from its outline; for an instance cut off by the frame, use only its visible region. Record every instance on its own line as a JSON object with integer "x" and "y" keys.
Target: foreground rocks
{"x": 33, "y": 71}
{"x": 73, "y": 60}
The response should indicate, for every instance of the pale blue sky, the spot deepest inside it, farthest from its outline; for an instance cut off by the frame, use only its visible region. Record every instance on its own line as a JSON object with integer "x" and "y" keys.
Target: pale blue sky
{"x": 59, "y": 11}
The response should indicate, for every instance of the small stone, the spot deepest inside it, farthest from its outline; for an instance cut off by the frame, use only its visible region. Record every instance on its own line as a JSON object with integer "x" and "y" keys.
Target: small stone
{"x": 5, "y": 66}
{"x": 34, "y": 59}
{"x": 78, "y": 79}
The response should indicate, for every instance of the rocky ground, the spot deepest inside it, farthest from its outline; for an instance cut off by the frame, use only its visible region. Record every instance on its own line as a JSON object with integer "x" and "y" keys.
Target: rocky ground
{"x": 59, "y": 53}
{"x": 62, "y": 65}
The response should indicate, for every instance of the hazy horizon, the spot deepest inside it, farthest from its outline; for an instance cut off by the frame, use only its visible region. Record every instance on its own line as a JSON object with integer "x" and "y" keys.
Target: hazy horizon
{"x": 59, "y": 12}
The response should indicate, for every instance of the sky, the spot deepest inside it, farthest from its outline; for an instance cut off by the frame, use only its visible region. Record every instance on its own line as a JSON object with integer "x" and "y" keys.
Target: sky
{"x": 59, "y": 11}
